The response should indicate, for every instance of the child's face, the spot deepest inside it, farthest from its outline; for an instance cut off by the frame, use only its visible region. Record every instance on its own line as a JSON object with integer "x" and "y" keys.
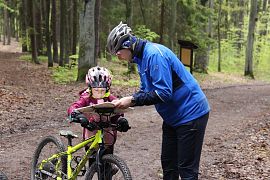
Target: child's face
{"x": 98, "y": 93}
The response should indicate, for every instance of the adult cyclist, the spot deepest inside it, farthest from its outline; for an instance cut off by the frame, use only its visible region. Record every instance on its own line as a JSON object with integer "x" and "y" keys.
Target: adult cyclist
{"x": 176, "y": 95}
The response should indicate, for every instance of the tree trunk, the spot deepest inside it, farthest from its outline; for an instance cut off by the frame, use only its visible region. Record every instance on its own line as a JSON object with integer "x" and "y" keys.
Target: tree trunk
{"x": 54, "y": 30}
{"x": 38, "y": 9}
{"x": 209, "y": 31}
{"x": 67, "y": 31}
{"x": 227, "y": 24}
{"x": 8, "y": 24}
{"x": 48, "y": 37}
{"x": 161, "y": 28}
{"x": 129, "y": 9}
{"x": 5, "y": 26}
{"x": 97, "y": 28}
{"x": 202, "y": 56}
{"x": 75, "y": 26}
{"x": 264, "y": 19}
{"x": 142, "y": 11}
{"x": 23, "y": 17}
{"x": 62, "y": 32}
{"x": 241, "y": 4}
{"x": 264, "y": 6}
{"x": 1, "y": 29}
{"x": 173, "y": 23}
{"x": 69, "y": 25}
{"x": 250, "y": 39}
{"x": 87, "y": 39}
{"x": 219, "y": 38}
{"x": 32, "y": 31}
{"x": 17, "y": 22}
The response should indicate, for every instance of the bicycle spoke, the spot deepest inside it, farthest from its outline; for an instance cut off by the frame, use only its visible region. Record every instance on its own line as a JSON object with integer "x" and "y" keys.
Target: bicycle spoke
{"x": 50, "y": 169}
{"x": 113, "y": 169}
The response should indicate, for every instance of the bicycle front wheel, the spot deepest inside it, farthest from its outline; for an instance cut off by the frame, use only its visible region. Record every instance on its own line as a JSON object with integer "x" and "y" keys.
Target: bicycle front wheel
{"x": 114, "y": 168}
{"x": 51, "y": 169}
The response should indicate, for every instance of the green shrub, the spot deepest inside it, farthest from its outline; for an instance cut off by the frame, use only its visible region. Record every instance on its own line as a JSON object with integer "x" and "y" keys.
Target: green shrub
{"x": 64, "y": 75}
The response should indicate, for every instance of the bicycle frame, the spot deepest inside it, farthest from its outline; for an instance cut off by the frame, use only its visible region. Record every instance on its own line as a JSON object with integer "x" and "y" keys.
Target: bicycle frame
{"x": 95, "y": 140}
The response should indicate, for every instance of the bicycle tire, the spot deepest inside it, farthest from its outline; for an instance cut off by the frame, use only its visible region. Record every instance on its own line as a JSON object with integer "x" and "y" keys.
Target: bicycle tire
{"x": 123, "y": 170}
{"x": 3, "y": 176}
{"x": 41, "y": 148}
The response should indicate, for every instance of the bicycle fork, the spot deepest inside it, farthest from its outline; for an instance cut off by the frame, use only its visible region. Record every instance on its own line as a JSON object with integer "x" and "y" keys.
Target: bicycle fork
{"x": 100, "y": 164}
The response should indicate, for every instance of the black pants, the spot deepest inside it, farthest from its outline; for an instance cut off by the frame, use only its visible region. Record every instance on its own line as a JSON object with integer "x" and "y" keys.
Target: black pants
{"x": 181, "y": 149}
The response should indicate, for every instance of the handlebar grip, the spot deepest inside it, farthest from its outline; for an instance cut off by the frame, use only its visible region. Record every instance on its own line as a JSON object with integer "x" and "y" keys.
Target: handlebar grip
{"x": 75, "y": 120}
{"x": 122, "y": 125}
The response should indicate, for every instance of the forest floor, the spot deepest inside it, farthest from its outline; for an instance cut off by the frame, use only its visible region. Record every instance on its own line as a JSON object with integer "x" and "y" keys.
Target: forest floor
{"x": 237, "y": 140}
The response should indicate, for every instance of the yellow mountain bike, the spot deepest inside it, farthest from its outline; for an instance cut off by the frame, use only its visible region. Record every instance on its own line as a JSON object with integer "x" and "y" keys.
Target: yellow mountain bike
{"x": 52, "y": 161}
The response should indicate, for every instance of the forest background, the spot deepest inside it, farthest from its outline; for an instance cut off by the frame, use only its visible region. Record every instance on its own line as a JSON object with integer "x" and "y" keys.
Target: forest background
{"x": 232, "y": 36}
{"x": 69, "y": 36}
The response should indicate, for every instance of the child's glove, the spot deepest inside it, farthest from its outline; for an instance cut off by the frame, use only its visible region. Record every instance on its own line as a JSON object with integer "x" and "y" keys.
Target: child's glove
{"x": 74, "y": 116}
{"x": 90, "y": 126}
{"x": 78, "y": 117}
{"x": 122, "y": 125}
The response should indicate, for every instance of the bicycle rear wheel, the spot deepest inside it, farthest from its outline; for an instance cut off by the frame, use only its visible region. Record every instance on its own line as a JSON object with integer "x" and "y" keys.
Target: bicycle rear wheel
{"x": 114, "y": 168}
{"x": 47, "y": 147}
{"x": 3, "y": 176}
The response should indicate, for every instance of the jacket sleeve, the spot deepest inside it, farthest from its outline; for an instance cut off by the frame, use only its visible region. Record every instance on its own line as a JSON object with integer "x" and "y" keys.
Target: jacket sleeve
{"x": 82, "y": 102}
{"x": 161, "y": 81}
{"x": 146, "y": 98}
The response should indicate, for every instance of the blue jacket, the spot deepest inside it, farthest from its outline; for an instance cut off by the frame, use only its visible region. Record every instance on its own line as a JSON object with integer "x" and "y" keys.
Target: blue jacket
{"x": 166, "y": 83}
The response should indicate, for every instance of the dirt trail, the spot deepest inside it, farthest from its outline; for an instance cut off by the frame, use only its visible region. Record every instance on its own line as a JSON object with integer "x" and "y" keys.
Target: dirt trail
{"x": 32, "y": 106}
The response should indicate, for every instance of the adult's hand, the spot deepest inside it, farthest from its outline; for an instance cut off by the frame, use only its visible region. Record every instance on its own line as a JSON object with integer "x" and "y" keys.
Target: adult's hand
{"x": 123, "y": 103}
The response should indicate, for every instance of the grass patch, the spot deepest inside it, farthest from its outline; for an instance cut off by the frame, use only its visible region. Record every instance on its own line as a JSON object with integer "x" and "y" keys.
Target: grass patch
{"x": 28, "y": 57}
{"x": 64, "y": 75}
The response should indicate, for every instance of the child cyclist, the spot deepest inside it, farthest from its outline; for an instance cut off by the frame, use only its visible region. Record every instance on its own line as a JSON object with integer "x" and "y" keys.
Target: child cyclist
{"x": 99, "y": 81}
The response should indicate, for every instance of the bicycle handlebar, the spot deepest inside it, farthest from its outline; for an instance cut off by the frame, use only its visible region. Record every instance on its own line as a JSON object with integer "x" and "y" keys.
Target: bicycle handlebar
{"x": 121, "y": 125}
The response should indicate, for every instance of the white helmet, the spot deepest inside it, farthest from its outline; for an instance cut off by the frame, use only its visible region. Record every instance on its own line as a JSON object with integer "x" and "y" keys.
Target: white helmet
{"x": 98, "y": 77}
{"x": 117, "y": 37}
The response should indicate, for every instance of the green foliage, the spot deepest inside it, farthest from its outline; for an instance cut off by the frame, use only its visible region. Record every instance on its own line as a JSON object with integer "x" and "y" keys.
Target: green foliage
{"x": 67, "y": 74}
{"x": 64, "y": 75}
{"x": 119, "y": 69}
{"x": 4, "y": 5}
{"x": 233, "y": 60}
{"x": 194, "y": 20}
{"x": 61, "y": 75}
{"x": 74, "y": 56}
{"x": 28, "y": 57}
{"x": 129, "y": 83}
{"x": 261, "y": 60}
{"x": 142, "y": 32}
{"x": 24, "y": 41}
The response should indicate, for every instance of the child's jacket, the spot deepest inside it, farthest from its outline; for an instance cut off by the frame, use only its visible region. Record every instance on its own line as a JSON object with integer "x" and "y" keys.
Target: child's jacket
{"x": 86, "y": 100}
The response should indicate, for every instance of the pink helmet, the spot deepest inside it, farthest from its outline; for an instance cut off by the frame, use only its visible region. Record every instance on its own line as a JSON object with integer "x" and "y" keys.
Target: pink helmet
{"x": 98, "y": 77}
